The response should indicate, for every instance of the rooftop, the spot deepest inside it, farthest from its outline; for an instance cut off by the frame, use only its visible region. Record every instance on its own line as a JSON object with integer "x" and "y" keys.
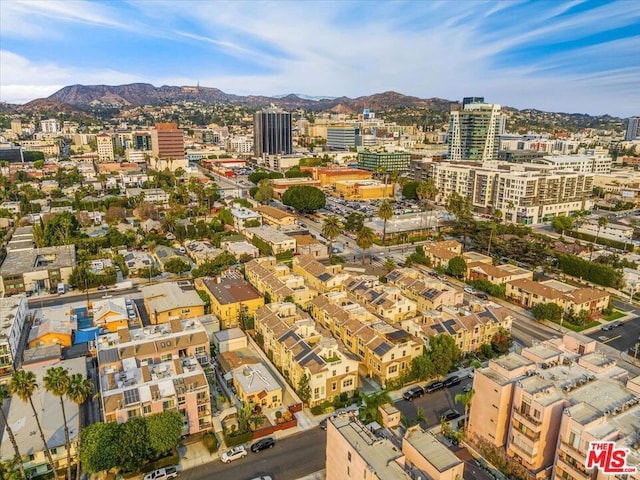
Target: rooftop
{"x": 431, "y": 449}
{"x": 169, "y": 296}
{"x": 48, "y": 258}
{"x": 227, "y": 290}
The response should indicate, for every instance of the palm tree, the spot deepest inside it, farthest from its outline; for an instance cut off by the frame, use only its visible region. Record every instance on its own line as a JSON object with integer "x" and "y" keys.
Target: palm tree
{"x": 4, "y": 394}
{"x": 369, "y": 410}
{"x": 385, "y": 212}
{"x": 465, "y": 399}
{"x": 602, "y": 222}
{"x": 364, "y": 239}
{"x": 331, "y": 229}
{"x": 426, "y": 192}
{"x": 57, "y": 382}
{"x": 23, "y": 384}
{"x": 79, "y": 390}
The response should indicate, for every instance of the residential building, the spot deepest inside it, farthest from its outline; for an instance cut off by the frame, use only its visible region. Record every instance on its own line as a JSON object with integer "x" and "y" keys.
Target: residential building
{"x": 257, "y": 386}
{"x": 363, "y": 189}
{"x": 428, "y": 292}
{"x": 14, "y": 315}
{"x": 169, "y": 301}
{"x": 275, "y": 216}
{"x": 110, "y": 314}
{"x": 599, "y": 164}
{"x": 439, "y": 253}
{"x": 152, "y": 195}
{"x": 201, "y": 251}
{"x": 572, "y": 299}
{"x": 242, "y": 215}
{"x": 308, "y": 245}
{"x": 240, "y": 144}
{"x": 155, "y": 369}
{"x": 545, "y": 405}
{"x": 104, "y": 145}
{"x": 292, "y": 342}
{"x": 36, "y": 269}
{"x": 167, "y": 148}
{"x": 422, "y": 450}
{"x": 385, "y": 301}
{"x": 276, "y": 282}
{"x": 50, "y": 125}
{"x": 270, "y": 240}
{"x": 384, "y": 161}
{"x": 229, "y": 340}
{"x": 496, "y": 274}
{"x": 233, "y": 300}
{"x": 320, "y": 277}
{"x": 633, "y": 129}
{"x": 341, "y": 137}
{"x": 240, "y": 248}
{"x": 272, "y": 132}
{"x": 51, "y": 326}
{"x": 26, "y": 430}
{"x": 474, "y": 130}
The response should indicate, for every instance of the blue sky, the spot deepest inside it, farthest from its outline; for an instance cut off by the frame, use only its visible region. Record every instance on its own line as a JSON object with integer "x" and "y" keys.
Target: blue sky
{"x": 570, "y": 56}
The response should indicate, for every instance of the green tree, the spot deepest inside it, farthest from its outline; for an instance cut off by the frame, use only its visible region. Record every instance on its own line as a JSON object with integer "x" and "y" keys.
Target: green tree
{"x": 133, "y": 440}
{"x": 547, "y": 311}
{"x": 57, "y": 381}
{"x": 457, "y": 267}
{"x": 100, "y": 447}
{"x": 331, "y": 229}
{"x": 304, "y": 389}
{"x": 354, "y": 222}
{"x": 501, "y": 342}
{"x": 23, "y": 384}
{"x": 8, "y": 469}
{"x": 444, "y": 353}
{"x": 264, "y": 194}
{"x": 369, "y": 411}
{"x": 176, "y": 265}
{"x": 390, "y": 264}
{"x": 225, "y": 216}
{"x": 164, "y": 430}
{"x": 385, "y": 212}
{"x": 79, "y": 390}
{"x": 421, "y": 367}
{"x": 410, "y": 190}
{"x": 304, "y": 199}
{"x": 4, "y": 394}
{"x": 460, "y": 207}
{"x": 465, "y": 399}
{"x": 561, "y": 223}
{"x": 364, "y": 239}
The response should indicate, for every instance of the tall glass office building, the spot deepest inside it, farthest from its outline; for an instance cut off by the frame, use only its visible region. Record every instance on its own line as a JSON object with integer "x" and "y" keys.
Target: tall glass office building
{"x": 272, "y": 132}
{"x": 474, "y": 130}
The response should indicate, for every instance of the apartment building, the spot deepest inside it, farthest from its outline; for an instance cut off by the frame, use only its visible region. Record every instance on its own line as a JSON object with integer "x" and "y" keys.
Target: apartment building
{"x": 153, "y": 369}
{"x": 597, "y": 163}
{"x": 439, "y": 253}
{"x": 275, "y": 216}
{"x": 528, "y": 293}
{"x": 386, "y": 302}
{"x": 233, "y": 300}
{"x": 243, "y": 215}
{"x": 428, "y": 292}
{"x": 526, "y": 404}
{"x": 104, "y": 145}
{"x": 322, "y": 278}
{"x": 276, "y": 281}
{"x": 280, "y": 185}
{"x": 167, "y": 148}
{"x": 474, "y": 130}
{"x": 497, "y": 274}
{"x": 14, "y": 314}
{"x": 384, "y": 350}
{"x": 276, "y": 241}
{"x": 355, "y": 452}
{"x": 294, "y": 344}
{"x": 165, "y": 302}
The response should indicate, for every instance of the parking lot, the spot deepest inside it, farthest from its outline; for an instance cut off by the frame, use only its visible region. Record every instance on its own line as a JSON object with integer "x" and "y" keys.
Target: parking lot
{"x": 621, "y": 338}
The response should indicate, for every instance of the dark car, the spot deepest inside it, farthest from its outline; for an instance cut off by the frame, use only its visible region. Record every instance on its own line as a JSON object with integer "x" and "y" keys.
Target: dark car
{"x": 450, "y": 414}
{"x": 611, "y": 326}
{"x": 413, "y": 392}
{"x": 451, "y": 381}
{"x": 433, "y": 387}
{"x": 482, "y": 296}
{"x": 263, "y": 444}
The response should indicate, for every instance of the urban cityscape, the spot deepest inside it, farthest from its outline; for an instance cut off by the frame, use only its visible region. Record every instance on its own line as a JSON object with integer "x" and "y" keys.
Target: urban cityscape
{"x": 203, "y": 283}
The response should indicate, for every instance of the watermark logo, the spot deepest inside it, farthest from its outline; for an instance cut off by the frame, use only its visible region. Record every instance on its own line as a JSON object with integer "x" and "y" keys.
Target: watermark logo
{"x": 608, "y": 458}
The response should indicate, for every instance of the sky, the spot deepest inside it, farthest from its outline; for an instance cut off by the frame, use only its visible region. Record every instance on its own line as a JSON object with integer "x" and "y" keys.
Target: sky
{"x": 577, "y": 56}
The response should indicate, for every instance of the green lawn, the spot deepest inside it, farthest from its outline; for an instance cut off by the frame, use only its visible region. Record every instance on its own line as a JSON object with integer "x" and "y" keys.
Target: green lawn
{"x": 616, "y": 314}
{"x": 577, "y": 328}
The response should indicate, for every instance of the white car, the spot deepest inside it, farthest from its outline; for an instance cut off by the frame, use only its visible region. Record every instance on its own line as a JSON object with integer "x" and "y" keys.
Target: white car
{"x": 162, "y": 474}
{"x": 233, "y": 454}
{"x": 469, "y": 290}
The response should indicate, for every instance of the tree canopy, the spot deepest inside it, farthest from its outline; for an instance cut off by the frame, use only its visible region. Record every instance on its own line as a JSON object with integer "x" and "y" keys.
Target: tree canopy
{"x": 444, "y": 353}
{"x": 304, "y": 198}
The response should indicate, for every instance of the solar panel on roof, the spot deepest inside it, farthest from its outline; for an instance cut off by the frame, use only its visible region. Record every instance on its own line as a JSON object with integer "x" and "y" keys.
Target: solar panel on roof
{"x": 131, "y": 396}
{"x": 382, "y": 349}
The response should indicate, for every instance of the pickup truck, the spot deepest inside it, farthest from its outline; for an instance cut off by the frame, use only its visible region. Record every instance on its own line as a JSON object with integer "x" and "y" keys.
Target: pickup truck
{"x": 162, "y": 474}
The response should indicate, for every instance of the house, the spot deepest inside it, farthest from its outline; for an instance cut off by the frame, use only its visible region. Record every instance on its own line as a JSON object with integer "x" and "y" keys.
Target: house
{"x": 243, "y": 216}
{"x": 257, "y": 386}
{"x": 167, "y": 301}
{"x": 322, "y": 278}
{"x": 276, "y": 281}
{"x": 308, "y": 245}
{"x": 275, "y": 216}
{"x": 202, "y": 251}
{"x": 233, "y": 300}
{"x": 240, "y": 248}
{"x": 110, "y": 314}
{"x": 429, "y": 292}
{"x": 439, "y": 253}
{"x": 51, "y": 326}
{"x": 498, "y": 274}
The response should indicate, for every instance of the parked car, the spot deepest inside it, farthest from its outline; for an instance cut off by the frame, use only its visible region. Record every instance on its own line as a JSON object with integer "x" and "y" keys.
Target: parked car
{"x": 611, "y": 325}
{"x": 233, "y": 454}
{"x": 482, "y": 296}
{"x": 467, "y": 388}
{"x": 413, "y": 392}
{"x": 450, "y": 414}
{"x": 471, "y": 373}
{"x": 469, "y": 290}
{"x": 263, "y": 444}
{"x": 162, "y": 474}
{"x": 433, "y": 387}
{"x": 263, "y": 477}
{"x": 451, "y": 381}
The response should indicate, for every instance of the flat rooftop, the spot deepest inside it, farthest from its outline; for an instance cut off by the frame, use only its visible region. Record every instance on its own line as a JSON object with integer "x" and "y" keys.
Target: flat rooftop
{"x": 432, "y": 450}
{"x": 48, "y": 258}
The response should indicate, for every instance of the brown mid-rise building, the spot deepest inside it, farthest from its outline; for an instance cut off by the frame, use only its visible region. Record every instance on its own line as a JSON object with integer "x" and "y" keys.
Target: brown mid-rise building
{"x": 167, "y": 147}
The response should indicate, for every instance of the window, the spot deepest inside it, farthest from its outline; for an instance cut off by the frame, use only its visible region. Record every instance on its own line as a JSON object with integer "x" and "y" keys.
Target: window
{"x": 334, "y": 386}
{"x": 347, "y": 383}
{"x": 349, "y": 456}
{"x": 393, "y": 368}
{"x": 146, "y": 409}
{"x": 346, "y": 369}
{"x": 166, "y": 357}
{"x": 274, "y": 399}
{"x": 200, "y": 350}
{"x": 169, "y": 404}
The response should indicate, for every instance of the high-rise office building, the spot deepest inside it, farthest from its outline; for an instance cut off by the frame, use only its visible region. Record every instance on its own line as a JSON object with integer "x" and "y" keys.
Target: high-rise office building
{"x": 474, "y": 130}
{"x": 167, "y": 147}
{"x": 341, "y": 137}
{"x": 104, "y": 145}
{"x": 272, "y": 132}
{"x": 50, "y": 126}
{"x": 633, "y": 129}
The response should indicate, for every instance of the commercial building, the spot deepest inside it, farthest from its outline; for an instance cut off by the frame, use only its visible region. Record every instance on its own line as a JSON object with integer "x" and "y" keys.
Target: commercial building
{"x": 633, "y": 129}
{"x": 474, "y": 130}
{"x": 50, "y": 125}
{"x": 104, "y": 145}
{"x": 154, "y": 369}
{"x": 330, "y": 175}
{"x": 545, "y": 406}
{"x": 275, "y": 281}
{"x": 388, "y": 161}
{"x": 36, "y": 269}
{"x": 597, "y": 163}
{"x": 233, "y": 300}
{"x": 296, "y": 347}
{"x": 272, "y": 132}
{"x": 26, "y": 430}
{"x": 167, "y": 148}
{"x": 169, "y": 301}
{"x": 280, "y": 185}
{"x": 363, "y": 189}
{"x": 341, "y": 137}
{"x": 14, "y": 315}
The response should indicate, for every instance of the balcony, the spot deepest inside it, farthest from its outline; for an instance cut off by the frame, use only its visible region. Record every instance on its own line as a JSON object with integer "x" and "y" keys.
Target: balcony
{"x": 527, "y": 419}
{"x": 569, "y": 465}
{"x": 572, "y": 452}
{"x": 526, "y": 431}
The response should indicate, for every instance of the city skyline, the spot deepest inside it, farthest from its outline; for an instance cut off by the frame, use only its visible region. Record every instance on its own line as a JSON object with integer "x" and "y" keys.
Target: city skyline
{"x": 572, "y": 56}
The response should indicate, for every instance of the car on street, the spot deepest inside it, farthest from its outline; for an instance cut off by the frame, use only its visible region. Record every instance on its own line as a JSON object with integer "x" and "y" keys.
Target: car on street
{"x": 482, "y": 296}
{"x": 469, "y": 290}
{"x": 263, "y": 444}
{"x": 611, "y": 326}
{"x": 451, "y": 381}
{"x": 471, "y": 373}
{"x": 467, "y": 388}
{"x": 433, "y": 387}
{"x": 450, "y": 414}
{"x": 413, "y": 392}
{"x": 107, "y": 295}
{"x": 162, "y": 474}
{"x": 236, "y": 452}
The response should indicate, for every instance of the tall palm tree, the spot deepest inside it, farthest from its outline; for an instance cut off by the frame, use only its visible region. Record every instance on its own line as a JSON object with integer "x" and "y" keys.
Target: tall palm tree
{"x": 426, "y": 192}
{"x": 364, "y": 239}
{"x": 4, "y": 394}
{"x": 465, "y": 399}
{"x": 331, "y": 229}
{"x": 385, "y": 212}
{"x": 23, "y": 384}
{"x": 57, "y": 382}
{"x": 602, "y": 222}
{"x": 79, "y": 390}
